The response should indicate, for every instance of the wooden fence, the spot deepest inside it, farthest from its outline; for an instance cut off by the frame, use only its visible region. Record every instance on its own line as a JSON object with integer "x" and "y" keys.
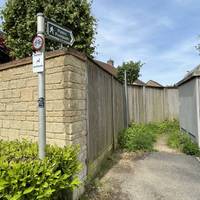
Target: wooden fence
{"x": 106, "y": 110}
{"x": 151, "y": 104}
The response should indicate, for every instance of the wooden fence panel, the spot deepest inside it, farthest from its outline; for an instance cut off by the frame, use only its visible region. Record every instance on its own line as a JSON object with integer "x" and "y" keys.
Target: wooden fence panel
{"x": 136, "y": 104}
{"x": 151, "y": 104}
{"x": 154, "y": 100}
{"x": 102, "y": 117}
{"x": 119, "y": 111}
{"x": 171, "y": 101}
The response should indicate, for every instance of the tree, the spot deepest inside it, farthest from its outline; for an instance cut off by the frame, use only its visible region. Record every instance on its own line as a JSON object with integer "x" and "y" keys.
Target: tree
{"x": 19, "y": 23}
{"x": 132, "y": 70}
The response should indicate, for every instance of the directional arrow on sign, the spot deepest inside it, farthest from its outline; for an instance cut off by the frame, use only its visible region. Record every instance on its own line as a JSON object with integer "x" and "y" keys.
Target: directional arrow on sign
{"x": 58, "y": 33}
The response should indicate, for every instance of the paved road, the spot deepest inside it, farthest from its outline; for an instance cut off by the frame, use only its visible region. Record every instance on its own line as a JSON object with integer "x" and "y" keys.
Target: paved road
{"x": 162, "y": 176}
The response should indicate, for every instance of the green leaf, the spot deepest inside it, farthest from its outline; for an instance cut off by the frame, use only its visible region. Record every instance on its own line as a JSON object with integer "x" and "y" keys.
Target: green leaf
{"x": 3, "y": 182}
{"x": 29, "y": 190}
{"x": 16, "y": 197}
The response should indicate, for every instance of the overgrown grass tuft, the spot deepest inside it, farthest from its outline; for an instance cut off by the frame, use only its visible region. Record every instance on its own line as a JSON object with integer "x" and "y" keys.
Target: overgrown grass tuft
{"x": 168, "y": 127}
{"x": 181, "y": 141}
{"x": 141, "y": 137}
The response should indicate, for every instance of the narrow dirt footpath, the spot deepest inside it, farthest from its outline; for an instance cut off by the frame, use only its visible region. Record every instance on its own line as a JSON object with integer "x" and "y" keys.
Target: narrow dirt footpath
{"x": 163, "y": 175}
{"x": 161, "y": 145}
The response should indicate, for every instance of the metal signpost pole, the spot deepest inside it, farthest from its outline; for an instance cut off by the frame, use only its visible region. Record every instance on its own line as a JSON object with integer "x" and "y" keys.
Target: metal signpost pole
{"x": 41, "y": 90}
{"x": 57, "y": 33}
{"x": 126, "y": 99}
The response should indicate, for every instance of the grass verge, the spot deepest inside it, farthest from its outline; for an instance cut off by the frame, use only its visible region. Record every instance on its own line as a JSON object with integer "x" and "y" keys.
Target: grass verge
{"x": 141, "y": 137}
{"x": 181, "y": 141}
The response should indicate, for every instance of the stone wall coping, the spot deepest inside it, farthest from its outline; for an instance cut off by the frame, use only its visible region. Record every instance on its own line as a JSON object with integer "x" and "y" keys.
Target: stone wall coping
{"x": 49, "y": 55}
{"x": 53, "y": 54}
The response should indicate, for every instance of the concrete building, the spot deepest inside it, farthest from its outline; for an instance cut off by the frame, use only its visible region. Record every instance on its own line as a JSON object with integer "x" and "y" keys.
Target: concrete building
{"x": 189, "y": 97}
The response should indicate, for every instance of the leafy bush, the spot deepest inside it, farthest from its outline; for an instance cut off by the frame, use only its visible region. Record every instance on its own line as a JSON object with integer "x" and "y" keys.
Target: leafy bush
{"x": 184, "y": 143}
{"x": 168, "y": 127}
{"x": 24, "y": 176}
{"x": 139, "y": 137}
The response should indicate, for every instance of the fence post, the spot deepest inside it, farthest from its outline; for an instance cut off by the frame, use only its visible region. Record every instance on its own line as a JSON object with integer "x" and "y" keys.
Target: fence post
{"x": 144, "y": 103}
{"x": 126, "y": 98}
{"x": 164, "y": 105}
{"x": 113, "y": 114}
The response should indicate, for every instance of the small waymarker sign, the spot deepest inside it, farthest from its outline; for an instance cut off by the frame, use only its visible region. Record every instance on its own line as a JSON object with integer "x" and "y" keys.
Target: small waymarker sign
{"x": 38, "y": 61}
{"x": 57, "y": 33}
{"x": 38, "y": 43}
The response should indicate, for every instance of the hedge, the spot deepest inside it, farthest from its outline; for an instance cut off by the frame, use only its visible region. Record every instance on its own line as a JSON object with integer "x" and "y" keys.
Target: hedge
{"x": 24, "y": 176}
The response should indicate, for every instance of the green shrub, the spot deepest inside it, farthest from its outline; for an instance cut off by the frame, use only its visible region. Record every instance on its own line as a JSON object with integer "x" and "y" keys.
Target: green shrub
{"x": 184, "y": 143}
{"x": 174, "y": 139}
{"x": 138, "y": 137}
{"x": 143, "y": 136}
{"x": 23, "y": 176}
{"x": 168, "y": 127}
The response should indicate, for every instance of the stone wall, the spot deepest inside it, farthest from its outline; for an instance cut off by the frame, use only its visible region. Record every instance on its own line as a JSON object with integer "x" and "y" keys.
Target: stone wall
{"x": 66, "y": 101}
{"x": 75, "y": 112}
{"x": 18, "y": 102}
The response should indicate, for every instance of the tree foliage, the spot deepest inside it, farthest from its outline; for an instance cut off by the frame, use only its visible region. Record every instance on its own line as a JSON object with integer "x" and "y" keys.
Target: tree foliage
{"x": 132, "y": 70}
{"x": 19, "y": 23}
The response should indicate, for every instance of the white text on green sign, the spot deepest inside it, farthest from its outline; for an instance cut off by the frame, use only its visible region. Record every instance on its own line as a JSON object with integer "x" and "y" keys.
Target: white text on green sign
{"x": 59, "y": 34}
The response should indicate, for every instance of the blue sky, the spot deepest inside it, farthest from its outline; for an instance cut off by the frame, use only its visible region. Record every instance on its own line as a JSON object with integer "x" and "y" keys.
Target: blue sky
{"x": 161, "y": 33}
